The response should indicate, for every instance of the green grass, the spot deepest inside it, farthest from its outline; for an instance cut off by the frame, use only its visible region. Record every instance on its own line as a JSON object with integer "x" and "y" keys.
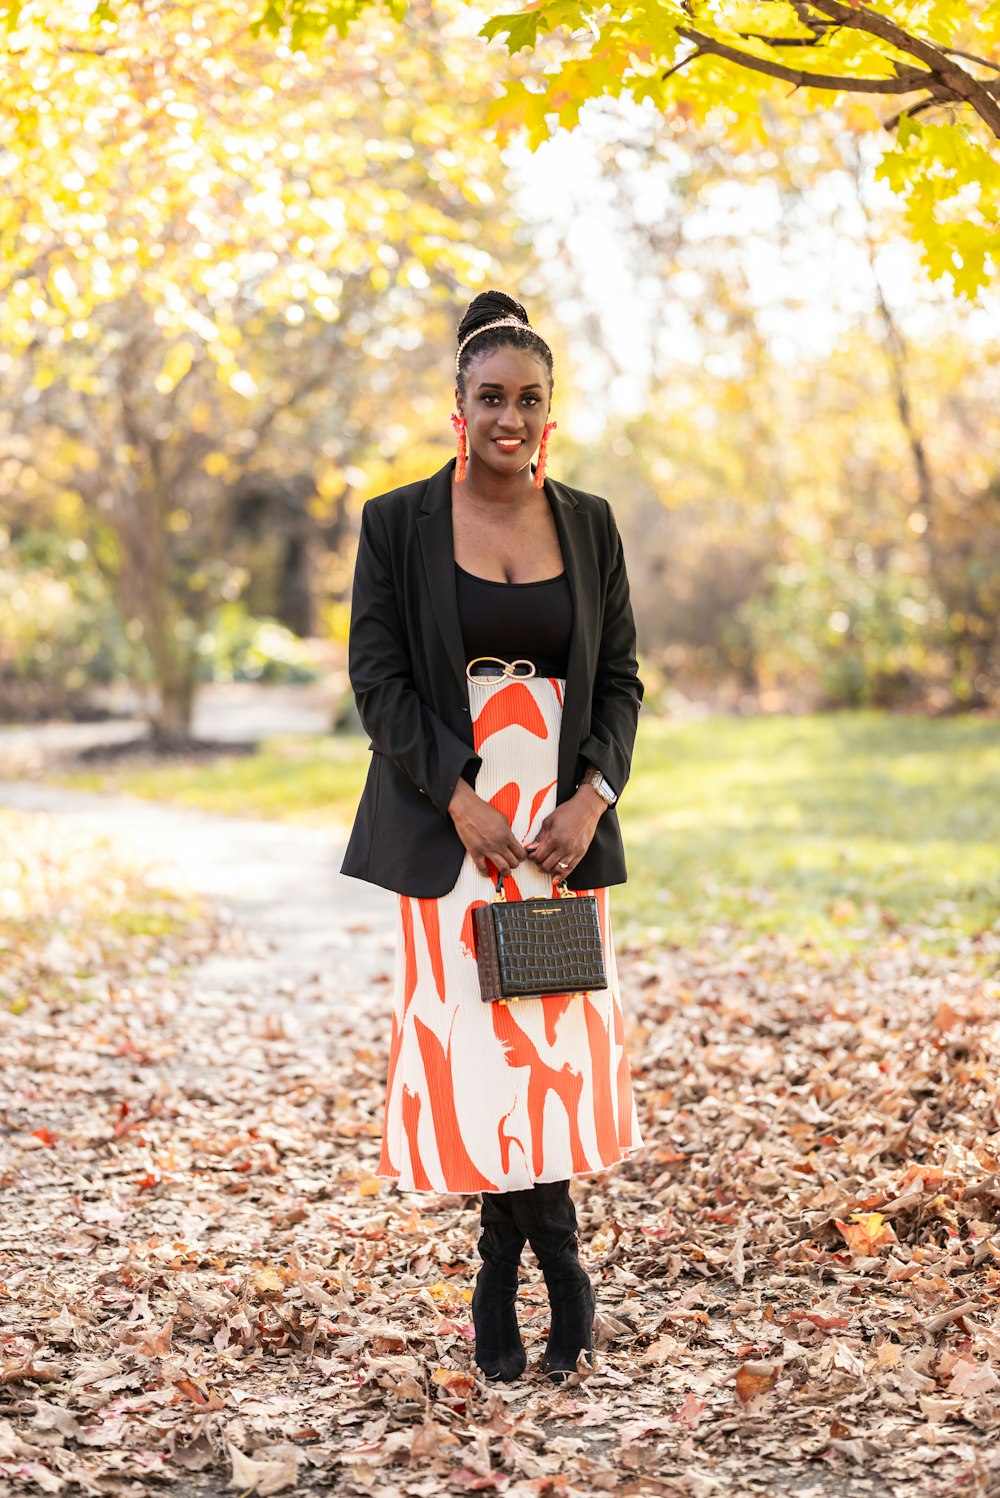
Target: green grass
{"x": 825, "y": 828}
{"x": 828, "y": 828}
{"x": 292, "y": 778}
{"x": 157, "y": 923}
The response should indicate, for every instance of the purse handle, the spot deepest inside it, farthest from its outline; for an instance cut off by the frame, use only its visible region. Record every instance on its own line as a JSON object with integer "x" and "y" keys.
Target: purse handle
{"x": 561, "y": 890}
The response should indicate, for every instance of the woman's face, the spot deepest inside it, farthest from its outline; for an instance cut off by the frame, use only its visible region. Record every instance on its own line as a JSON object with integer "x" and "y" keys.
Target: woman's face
{"x": 506, "y": 405}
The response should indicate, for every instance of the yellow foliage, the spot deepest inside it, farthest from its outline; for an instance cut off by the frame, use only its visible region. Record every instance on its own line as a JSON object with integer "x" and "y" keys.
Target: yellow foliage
{"x": 168, "y": 153}
{"x": 714, "y": 61}
{"x": 176, "y": 363}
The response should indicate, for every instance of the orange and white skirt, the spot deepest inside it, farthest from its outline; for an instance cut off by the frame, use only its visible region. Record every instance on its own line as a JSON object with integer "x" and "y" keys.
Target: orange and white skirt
{"x": 494, "y": 1097}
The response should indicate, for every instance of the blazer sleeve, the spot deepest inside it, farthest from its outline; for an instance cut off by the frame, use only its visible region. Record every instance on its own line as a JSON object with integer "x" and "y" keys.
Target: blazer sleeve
{"x": 618, "y": 691}
{"x": 401, "y": 725}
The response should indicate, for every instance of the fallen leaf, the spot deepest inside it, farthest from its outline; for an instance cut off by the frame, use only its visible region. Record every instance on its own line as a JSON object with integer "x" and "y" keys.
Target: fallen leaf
{"x": 271, "y": 1472}
{"x": 458, "y": 1385}
{"x": 692, "y": 1409}
{"x": 868, "y": 1231}
{"x": 971, "y": 1379}
{"x": 755, "y": 1379}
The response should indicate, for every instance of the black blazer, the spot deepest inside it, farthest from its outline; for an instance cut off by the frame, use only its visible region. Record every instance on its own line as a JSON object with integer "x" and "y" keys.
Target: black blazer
{"x": 407, "y": 668}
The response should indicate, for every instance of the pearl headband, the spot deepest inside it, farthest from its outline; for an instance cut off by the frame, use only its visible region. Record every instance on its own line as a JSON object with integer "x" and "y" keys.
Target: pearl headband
{"x": 501, "y": 322}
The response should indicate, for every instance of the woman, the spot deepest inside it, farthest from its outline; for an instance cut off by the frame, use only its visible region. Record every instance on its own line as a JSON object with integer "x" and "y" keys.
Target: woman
{"x": 481, "y": 768}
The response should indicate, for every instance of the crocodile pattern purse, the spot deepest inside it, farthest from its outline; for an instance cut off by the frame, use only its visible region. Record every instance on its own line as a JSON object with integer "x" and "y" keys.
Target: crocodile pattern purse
{"x": 525, "y": 948}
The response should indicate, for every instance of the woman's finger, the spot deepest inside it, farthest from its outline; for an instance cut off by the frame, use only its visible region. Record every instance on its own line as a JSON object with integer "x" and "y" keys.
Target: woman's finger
{"x": 548, "y": 857}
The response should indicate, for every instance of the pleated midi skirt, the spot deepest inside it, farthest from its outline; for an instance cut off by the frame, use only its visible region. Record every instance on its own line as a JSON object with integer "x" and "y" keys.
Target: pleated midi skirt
{"x": 494, "y": 1097}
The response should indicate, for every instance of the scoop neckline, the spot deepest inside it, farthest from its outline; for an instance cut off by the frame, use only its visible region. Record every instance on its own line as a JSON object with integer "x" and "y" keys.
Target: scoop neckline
{"x": 491, "y": 582}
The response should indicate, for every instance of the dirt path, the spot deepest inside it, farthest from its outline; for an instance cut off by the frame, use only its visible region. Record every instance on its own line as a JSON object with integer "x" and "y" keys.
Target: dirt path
{"x": 233, "y": 711}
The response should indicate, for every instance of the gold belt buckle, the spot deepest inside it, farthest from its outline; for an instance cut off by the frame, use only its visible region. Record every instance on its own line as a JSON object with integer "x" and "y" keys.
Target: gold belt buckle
{"x": 508, "y": 669}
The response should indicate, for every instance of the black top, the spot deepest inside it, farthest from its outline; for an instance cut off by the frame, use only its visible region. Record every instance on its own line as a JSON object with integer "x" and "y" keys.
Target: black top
{"x": 516, "y": 621}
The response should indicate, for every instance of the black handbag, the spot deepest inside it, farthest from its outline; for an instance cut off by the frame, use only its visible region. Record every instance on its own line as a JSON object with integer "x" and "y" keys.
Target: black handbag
{"x": 541, "y": 945}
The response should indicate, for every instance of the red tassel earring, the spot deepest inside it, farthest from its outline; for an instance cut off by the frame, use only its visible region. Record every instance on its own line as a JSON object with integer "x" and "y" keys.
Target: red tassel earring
{"x": 462, "y": 457}
{"x": 543, "y": 454}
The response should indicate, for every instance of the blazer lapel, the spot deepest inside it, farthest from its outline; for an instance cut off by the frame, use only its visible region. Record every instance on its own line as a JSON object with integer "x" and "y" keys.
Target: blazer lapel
{"x": 583, "y": 576}
{"x": 437, "y": 546}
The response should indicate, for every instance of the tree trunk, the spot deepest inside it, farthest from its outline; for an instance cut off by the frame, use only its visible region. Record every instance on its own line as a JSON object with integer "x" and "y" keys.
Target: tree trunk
{"x": 170, "y": 722}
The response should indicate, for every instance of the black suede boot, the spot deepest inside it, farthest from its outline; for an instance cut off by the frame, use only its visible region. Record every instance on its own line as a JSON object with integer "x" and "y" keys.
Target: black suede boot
{"x": 499, "y": 1350}
{"x": 547, "y": 1217}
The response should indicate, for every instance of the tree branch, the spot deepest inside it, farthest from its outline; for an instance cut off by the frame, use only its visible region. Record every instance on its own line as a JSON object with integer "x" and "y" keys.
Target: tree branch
{"x": 906, "y": 82}
{"x": 303, "y": 387}
{"x": 682, "y": 64}
{"x": 949, "y": 81}
{"x": 972, "y": 57}
{"x": 808, "y": 20}
{"x": 942, "y": 78}
{"x": 780, "y": 41}
{"x": 911, "y": 111}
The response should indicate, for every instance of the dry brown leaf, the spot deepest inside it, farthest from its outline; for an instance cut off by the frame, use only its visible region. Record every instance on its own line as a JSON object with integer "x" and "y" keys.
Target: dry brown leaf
{"x": 755, "y": 1379}
{"x": 456, "y": 1384}
{"x": 692, "y": 1409}
{"x": 971, "y": 1379}
{"x": 273, "y": 1472}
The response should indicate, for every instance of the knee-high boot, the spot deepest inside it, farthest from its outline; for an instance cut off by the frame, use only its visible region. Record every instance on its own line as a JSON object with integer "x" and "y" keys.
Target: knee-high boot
{"x": 499, "y": 1350}
{"x": 546, "y": 1215}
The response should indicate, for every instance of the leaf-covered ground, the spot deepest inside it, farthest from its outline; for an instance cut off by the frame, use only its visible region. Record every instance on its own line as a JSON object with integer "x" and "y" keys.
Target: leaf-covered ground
{"x": 75, "y": 921}
{"x": 203, "y": 1287}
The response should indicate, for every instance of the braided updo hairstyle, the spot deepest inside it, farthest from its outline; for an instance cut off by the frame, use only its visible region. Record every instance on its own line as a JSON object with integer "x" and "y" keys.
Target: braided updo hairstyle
{"x": 486, "y": 308}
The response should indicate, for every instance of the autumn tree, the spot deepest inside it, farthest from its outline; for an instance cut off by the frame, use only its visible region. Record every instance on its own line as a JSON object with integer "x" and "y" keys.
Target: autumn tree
{"x": 209, "y": 241}
{"x": 928, "y": 75}
{"x": 808, "y": 484}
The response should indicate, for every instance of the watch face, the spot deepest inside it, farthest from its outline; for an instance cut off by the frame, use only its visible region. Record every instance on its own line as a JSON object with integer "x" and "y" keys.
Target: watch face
{"x": 601, "y": 786}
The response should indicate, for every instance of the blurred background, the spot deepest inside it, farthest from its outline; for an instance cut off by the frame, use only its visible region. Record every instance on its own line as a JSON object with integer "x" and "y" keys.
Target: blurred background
{"x": 232, "y": 276}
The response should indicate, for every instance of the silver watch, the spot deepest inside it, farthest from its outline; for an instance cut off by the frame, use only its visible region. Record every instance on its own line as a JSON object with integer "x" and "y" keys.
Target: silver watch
{"x": 601, "y": 786}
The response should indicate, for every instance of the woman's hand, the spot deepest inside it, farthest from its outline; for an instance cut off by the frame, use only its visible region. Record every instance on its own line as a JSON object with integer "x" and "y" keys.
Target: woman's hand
{"x": 567, "y": 832}
{"x": 484, "y": 831}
